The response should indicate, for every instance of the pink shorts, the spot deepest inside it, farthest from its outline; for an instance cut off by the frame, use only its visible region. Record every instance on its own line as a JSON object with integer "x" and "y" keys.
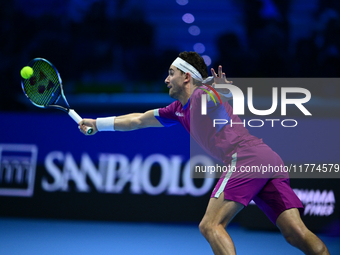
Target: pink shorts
{"x": 257, "y": 173}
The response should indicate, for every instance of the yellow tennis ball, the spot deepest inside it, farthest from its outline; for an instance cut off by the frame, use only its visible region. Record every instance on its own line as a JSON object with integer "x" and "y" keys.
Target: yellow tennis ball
{"x": 26, "y": 72}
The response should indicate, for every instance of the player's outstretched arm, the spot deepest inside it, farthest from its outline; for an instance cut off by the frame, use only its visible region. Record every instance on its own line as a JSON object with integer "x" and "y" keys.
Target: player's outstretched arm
{"x": 136, "y": 121}
{"x": 127, "y": 122}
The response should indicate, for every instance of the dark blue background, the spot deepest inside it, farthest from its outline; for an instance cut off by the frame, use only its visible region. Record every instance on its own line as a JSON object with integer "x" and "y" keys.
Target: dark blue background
{"x": 122, "y": 49}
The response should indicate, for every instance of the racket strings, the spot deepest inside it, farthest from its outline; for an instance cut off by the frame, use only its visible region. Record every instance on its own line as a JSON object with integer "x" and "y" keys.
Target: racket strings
{"x": 43, "y": 88}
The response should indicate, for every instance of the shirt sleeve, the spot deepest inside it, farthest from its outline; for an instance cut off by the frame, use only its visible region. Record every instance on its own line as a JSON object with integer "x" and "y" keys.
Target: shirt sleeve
{"x": 166, "y": 116}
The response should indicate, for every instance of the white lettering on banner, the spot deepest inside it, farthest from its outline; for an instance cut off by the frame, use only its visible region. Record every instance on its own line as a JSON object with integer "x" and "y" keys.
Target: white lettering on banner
{"x": 146, "y": 169}
{"x": 71, "y": 173}
{"x": 174, "y": 188}
{"x": 115, "y": 171}
{"x": 317, "y": 203}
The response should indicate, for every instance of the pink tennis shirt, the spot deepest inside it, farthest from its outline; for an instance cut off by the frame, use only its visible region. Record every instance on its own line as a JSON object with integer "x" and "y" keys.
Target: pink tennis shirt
{"x": 221, "y": 141}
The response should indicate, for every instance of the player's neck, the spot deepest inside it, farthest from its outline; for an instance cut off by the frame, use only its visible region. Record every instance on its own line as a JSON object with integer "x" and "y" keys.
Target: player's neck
{"x": 184, "y": 99}
{"x": 188, "y": 92}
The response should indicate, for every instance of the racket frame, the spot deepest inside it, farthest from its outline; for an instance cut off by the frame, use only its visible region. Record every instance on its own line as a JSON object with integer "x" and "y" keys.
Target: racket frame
{"x": 66, "y": 109}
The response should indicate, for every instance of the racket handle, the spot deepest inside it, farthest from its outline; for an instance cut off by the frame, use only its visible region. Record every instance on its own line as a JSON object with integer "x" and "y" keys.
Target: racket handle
{"x": 77, "y": 119}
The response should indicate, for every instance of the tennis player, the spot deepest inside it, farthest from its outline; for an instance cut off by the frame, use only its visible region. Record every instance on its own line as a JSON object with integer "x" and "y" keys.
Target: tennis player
{"x": 231, "y": 144}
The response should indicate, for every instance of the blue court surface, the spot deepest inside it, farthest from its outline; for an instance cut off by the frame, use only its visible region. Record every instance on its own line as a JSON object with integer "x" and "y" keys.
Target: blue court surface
{"x": 52, "y": 237}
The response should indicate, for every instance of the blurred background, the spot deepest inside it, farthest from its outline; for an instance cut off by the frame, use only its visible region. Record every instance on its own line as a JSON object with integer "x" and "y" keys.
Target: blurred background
{"x": 97, "y": 194}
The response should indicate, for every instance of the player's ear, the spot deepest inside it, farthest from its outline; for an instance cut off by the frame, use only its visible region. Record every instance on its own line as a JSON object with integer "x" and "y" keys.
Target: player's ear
{"x": 187, "y": 77}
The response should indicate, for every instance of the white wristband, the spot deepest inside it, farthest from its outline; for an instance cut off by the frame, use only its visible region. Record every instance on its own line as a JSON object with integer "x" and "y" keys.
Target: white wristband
{"x": 106, "y": 124}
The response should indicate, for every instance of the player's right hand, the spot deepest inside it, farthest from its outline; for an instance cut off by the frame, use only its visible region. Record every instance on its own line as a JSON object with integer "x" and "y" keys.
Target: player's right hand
{"x": 85, "y": 123}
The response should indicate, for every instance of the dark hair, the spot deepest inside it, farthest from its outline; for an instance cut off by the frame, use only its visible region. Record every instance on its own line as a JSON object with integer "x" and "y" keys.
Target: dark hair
{"x": 194, "y": 59}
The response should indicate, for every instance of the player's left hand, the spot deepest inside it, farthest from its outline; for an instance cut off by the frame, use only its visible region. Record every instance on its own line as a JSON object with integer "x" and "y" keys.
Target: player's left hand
{"x": 220, "y": 78}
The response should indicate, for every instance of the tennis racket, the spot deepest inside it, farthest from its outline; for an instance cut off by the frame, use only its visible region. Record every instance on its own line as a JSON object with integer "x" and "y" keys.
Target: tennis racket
{"x": 44, "y": 88}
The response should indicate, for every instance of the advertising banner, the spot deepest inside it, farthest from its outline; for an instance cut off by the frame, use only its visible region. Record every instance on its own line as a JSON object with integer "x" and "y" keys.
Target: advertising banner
{"x": 50, "y": 170}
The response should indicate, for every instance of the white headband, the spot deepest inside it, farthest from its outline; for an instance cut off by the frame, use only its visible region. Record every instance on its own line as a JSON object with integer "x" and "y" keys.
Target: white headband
{"x": 187, "y": 68}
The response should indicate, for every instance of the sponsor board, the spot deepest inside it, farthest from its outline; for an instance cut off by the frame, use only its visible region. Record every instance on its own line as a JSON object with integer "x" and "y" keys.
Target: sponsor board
{"x": 17, "y": 169}
{"x": 115, "y": 171}
{"x": 316, "y": 202}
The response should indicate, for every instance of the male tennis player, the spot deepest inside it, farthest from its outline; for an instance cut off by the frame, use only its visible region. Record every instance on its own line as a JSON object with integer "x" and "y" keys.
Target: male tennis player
{"x": 231, "y": 144}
